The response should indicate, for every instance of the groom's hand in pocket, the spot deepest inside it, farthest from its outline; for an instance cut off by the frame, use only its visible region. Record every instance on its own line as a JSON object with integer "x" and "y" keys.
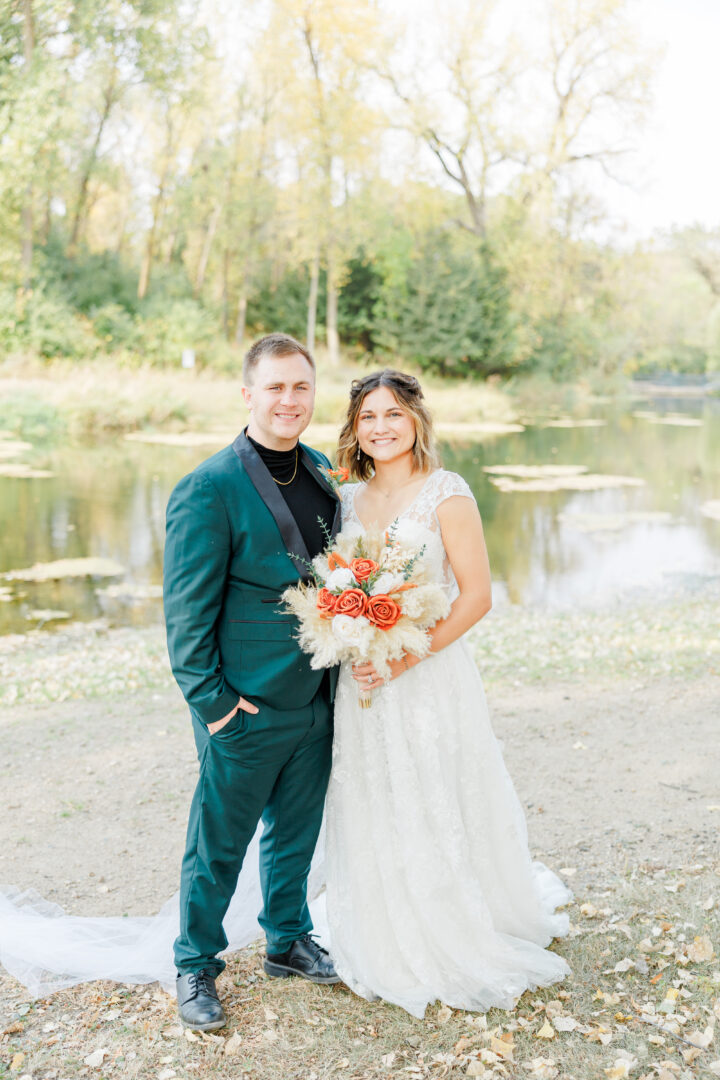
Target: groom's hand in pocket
{"x": 246, "y": 706}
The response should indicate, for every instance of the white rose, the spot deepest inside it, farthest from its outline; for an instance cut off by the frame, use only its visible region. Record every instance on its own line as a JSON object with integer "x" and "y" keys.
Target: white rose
{"x": 341, "y": 579}
{"x": 386, "y": 583}
{"x": 353, "y": 632}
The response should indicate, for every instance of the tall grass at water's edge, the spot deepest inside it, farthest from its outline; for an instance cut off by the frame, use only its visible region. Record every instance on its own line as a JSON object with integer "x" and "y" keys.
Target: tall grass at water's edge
{"x": 90, "y": 399}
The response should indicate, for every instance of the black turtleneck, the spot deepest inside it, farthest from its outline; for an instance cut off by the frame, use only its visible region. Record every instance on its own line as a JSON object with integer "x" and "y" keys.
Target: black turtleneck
{"x": 305, "y": 499}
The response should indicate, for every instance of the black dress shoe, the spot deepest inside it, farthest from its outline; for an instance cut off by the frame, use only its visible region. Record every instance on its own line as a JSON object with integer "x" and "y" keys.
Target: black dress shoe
{"x": 305, "y": 958}
{"x": 198, "y": 1002}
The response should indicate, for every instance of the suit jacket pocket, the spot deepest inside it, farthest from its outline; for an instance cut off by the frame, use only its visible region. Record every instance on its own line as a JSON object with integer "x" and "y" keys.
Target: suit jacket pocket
{"x": 261, "y": 629}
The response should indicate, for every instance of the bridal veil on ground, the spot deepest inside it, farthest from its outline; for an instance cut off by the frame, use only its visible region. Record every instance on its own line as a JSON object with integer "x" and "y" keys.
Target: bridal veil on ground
{"x": 47, "y": 950}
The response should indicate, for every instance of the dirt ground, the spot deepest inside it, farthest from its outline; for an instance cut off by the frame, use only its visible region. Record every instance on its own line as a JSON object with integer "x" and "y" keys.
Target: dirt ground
{"x": 96, "y": 794}
{"x": 621, "y": 781}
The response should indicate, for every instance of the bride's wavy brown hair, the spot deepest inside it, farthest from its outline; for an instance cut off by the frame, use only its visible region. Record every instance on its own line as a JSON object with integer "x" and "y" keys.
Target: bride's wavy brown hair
{"x": 408, "y": 393}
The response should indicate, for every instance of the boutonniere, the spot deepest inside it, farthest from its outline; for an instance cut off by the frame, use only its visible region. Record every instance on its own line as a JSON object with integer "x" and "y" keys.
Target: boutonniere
{"x": 335, "y": 477}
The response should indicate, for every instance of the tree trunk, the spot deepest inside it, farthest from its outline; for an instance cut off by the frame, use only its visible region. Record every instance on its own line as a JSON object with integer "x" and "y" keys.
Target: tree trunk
{"x": 331, "y": 330}
{"x": 226, "y": 292}
{"x": 149, "y": 253}
{"x": 241, "y": 321}
{"x": 205, "y": 253}
{"x": 109, "y": 100}
{"x": 312, "y": 302}
{"x": 27, "y": 210}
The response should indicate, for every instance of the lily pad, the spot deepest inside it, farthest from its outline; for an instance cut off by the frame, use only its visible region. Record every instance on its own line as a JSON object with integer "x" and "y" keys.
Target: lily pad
{"x": 589, "y": 522}
{"x": 23, "y": 472}
{"x": 183, "y": 438}
{"x": 569, "y": 422}
{"x": 67, "y": 568}
{"x": 48, "y": 615}
{"x": 673, "y": 419}
{"x": 12, "y": 447}
{"x": 589, "y": 482}
{"x": 532, "y": 472}
{"x": 711, "y": 509}
{"x": 130, "y": 592}
{"x": 477, "y": 428}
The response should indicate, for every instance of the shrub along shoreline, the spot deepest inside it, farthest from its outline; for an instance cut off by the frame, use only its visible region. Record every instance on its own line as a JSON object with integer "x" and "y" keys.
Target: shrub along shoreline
{"x": 99, "y": 397}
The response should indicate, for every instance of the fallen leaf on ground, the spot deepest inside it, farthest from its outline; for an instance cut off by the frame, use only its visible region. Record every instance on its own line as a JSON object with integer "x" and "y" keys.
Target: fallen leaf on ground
{"x": 270, "y": 1015}
{"x": 17, "y": 1061}
{"x": 701, "y": 950}
{"x": 167, "y": 1074}
{"x": 621, "y": 1068}
{"x": 503, "y": 1047}
{"x": 565, "y": 1023}
{"x": 191, "y": 1036}
{"x": 233, "y": 1044}
{"x": 547, "y": 1031}
{"x": 542, "y": 1068}
{"x": 387, "y": 1059}
{"x": 443, "y": 1014}
{"x": 701, "y": 1038}
{"x": 95, "y": 1059}
{"x": 475, "y": 1068}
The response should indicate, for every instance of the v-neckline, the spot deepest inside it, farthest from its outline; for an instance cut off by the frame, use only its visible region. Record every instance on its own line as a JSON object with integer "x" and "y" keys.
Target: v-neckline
{"x": 397, "y": 517}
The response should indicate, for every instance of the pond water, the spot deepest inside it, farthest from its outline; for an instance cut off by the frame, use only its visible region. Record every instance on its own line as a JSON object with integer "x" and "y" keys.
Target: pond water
{"x": 548, "y": 549}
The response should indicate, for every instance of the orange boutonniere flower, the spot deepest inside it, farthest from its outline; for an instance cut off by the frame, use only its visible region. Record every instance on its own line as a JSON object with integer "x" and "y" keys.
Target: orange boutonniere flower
{"x": 351, "y": 602}
{"x": 363, "y": 568}
{"x": 382, "y": 611}
{"x": 335, "y": 477}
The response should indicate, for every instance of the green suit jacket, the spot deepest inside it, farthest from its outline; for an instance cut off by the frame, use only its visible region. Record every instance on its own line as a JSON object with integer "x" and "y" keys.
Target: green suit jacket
{"x": 232, "y": 547}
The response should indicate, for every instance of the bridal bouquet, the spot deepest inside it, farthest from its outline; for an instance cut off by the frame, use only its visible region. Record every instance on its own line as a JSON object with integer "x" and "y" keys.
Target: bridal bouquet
{"x": 372, "y": 599}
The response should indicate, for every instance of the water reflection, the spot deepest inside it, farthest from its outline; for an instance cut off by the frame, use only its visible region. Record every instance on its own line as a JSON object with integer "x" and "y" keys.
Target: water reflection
{"x": 109, "y": 501}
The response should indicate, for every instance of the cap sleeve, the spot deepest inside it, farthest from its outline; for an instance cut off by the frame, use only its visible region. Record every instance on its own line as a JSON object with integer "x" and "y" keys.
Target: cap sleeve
{"x": 449, "y": 484}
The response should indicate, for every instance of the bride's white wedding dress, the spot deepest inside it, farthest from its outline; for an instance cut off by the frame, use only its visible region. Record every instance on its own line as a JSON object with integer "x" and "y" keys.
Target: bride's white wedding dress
{"x": 431, "y": 890}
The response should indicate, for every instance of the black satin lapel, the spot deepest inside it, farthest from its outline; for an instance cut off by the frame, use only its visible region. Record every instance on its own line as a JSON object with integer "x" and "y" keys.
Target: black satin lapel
{"x": 316, "y": 471}
{"x": 268, "y": 491}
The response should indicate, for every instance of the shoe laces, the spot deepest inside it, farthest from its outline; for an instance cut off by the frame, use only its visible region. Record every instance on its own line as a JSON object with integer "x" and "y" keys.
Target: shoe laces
{"x": 312, "y": 939}
{"x": 201, "y": 982}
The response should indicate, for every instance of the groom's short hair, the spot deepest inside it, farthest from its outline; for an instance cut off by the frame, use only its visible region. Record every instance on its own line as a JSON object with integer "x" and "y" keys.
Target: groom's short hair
{"x": 273, "y": 345}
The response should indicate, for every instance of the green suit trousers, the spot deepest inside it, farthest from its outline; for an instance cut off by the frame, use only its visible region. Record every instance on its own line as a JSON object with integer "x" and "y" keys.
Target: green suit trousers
{"x": 273, "y": 765}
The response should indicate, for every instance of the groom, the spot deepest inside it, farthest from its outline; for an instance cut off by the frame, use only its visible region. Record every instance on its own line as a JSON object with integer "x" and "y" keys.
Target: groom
{"x": 239, "y": 530}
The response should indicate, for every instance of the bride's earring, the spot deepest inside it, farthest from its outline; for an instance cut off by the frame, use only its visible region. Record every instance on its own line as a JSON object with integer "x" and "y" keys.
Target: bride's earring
{"x": 358, "y": 453}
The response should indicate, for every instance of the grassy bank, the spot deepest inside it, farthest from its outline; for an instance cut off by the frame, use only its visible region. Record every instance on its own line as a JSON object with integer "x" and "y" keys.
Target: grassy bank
{"x": 89, "y": 399}
{"x": 650, "y": 639}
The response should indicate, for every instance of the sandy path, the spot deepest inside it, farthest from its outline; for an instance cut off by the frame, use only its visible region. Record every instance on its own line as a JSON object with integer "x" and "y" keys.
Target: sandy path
{"x": 96, "y": 795}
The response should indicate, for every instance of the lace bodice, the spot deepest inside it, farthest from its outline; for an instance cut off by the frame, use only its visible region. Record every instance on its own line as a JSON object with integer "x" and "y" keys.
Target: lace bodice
{"x": 418, "y": 523}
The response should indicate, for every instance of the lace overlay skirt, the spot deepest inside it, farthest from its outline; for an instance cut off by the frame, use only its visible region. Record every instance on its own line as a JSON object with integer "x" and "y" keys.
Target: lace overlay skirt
{"x": 431, "y": 890}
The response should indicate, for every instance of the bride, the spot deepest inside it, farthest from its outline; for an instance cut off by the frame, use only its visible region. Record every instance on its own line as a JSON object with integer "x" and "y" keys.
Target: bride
{"x": 431, "y": 890}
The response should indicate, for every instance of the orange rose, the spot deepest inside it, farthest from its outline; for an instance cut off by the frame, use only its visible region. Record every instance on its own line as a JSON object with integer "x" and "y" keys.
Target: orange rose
{"x": 382, "y": 611}
{"x": 363, "y": 568}
{"x": 326, "y": 604}
{"x": 351, "y": 602}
